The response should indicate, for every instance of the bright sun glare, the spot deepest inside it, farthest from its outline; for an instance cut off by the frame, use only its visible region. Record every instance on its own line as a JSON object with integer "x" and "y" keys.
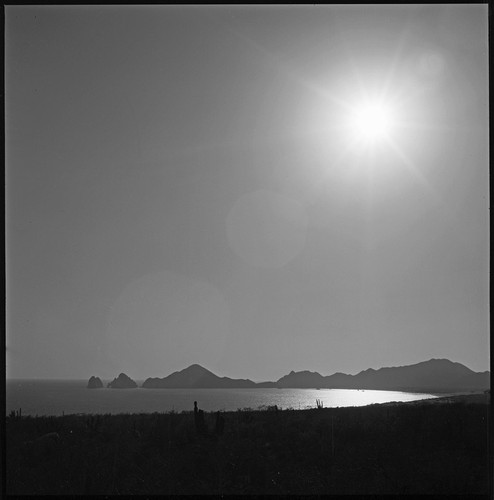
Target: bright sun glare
{"x": 371, "y": 122}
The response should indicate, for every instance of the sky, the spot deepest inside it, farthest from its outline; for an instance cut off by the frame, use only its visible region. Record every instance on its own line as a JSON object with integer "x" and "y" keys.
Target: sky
{"x": 256, "y": 189}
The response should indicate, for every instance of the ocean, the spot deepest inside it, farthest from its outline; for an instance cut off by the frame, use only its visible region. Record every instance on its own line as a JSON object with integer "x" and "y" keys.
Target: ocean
{"x": 58, "y": 397}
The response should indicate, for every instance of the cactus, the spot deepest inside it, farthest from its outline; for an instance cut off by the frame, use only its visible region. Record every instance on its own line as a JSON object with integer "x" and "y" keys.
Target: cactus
{"x": 93, "y": 423}
{"x": 199, "y": 422}
{"x": 15, "y": 414}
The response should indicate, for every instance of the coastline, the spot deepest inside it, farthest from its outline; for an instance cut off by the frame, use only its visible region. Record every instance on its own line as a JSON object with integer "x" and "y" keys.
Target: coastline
{"x": 346, "y": 450}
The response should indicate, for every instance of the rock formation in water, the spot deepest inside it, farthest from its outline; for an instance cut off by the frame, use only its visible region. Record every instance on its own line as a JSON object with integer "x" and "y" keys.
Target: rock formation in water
{"x": 94, "y": 383}
{"x": 122, "y": 382}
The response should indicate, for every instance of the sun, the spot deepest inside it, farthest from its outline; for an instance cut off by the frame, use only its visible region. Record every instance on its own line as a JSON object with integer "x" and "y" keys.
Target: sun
{"x": 371, "y": 122}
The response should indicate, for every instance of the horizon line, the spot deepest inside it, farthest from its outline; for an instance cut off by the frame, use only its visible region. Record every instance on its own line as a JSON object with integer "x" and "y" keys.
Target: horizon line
{"x": 262, "y": 381}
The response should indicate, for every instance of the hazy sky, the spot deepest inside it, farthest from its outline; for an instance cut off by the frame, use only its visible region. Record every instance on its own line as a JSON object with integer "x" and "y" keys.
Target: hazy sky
{"x": 189, "y": 185}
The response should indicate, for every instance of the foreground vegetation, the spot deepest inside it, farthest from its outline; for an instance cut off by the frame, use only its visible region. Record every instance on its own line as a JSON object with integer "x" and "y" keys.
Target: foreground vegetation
{"x": 379, "y": 449}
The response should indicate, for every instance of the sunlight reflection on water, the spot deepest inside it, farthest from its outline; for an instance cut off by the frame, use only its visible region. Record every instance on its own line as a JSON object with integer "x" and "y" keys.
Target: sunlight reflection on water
{"x": 52, "y": 397}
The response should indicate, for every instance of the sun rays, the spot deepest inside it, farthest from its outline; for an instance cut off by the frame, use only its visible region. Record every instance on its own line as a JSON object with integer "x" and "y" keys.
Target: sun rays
{"x": 380, "y": 131}
{"x": 363, "y": 120}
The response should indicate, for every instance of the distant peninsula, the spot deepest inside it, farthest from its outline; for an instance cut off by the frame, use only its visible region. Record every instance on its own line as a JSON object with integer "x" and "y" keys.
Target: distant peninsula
{"x": 435, "y": 375}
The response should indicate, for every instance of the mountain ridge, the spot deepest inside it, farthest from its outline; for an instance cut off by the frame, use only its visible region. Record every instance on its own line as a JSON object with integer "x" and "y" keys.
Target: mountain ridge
{"x": 434, "y": 375}
{"x": 196, "y": 376}
{"x": 437, "y": 375}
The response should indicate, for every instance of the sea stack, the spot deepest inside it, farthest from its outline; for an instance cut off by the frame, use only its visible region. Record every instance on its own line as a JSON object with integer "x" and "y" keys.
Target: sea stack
{"x": 122, "y": 382}
{"x": 94, "y": 383}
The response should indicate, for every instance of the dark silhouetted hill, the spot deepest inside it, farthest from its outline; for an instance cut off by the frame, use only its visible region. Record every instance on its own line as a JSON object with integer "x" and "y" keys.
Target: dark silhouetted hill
{"x": 122, "y": 382}
{"x": 304, "y": 379}
{"x": 195, "y": 376}
{"x": 435, "y": 375}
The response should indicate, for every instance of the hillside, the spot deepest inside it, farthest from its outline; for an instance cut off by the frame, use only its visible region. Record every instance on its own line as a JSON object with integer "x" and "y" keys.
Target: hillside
{"x": 424, "y": 447}
{"x": 437, "y": 375}
{"x": 195, "y": 376}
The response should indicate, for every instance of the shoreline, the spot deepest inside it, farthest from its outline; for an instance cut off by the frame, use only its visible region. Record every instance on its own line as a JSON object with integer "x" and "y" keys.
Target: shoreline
{"x": 412, "y": 390}
{"x": 345, "y": 450}
{"x": 479, "y": 397}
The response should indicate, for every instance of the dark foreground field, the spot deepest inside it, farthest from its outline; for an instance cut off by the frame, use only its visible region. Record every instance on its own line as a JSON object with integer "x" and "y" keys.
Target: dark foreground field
{"x": 425, "y": 447}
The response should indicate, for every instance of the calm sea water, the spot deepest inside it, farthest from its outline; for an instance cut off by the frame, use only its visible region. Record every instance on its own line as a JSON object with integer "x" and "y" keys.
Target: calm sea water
{"x": 54, "y": 397}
